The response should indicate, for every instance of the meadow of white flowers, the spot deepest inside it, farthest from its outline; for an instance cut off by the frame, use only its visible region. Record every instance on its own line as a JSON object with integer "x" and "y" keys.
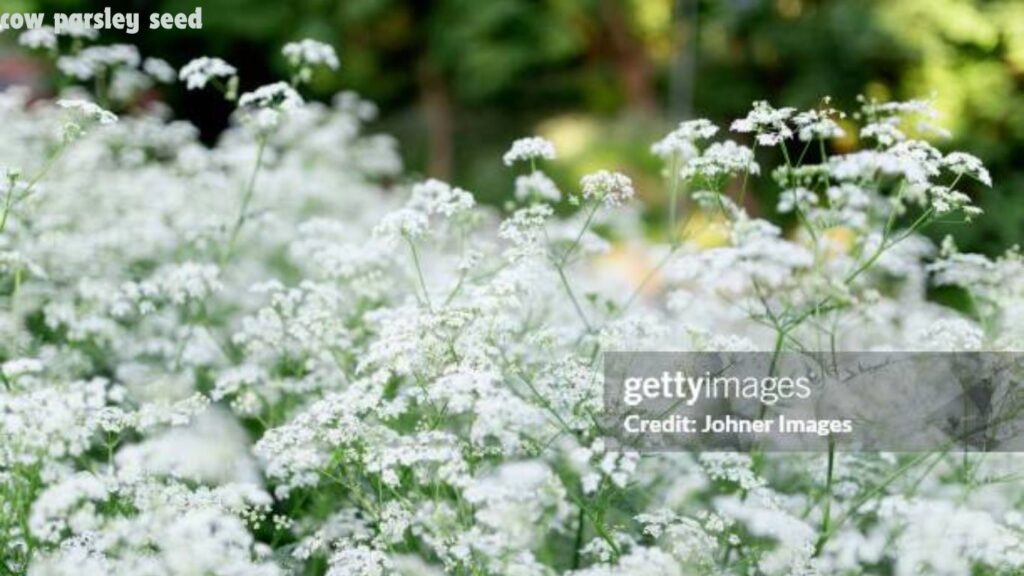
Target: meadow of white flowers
{"x": 273, "y": 356}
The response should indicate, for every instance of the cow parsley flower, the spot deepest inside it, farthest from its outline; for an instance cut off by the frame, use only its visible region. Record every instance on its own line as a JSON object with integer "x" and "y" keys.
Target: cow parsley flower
{"x": 732, "y": 467}
{"x": 514, "y": 497}
{"x": 873, "y": 109}
{"x": 696, "y": 130}
{"x": 721, "y": 159}
{"x": 265, "y": 106}
{"x": 14, "y": 369}
{"x": 952, "y": 334}
{"x": 611, "y": 188}
{"x": 301, "y": 325}
{"x": 690, "y": 541}
{"x": 672, "y": 146}
{"x": 796, "y": 199}
{"x": 41, "y": 38}
{"x": 278, "y": 96}
{"x": 961, "y": 163}
{"x": 529, "y": 149}
{"x": 403, "y": 223}
{"x": 916, "y": 161}
{"x": 310, "y": 53}
{"x": 682, "y": 142}
{"x": 537, "y": 185}
{"x": 884, "y": 119}
{"x": 162, "y": 413}
{"x": 886, "y": 131}
{"x": 159, "y": 69}
{"x": 817, "y": 124}
{"x": 190, "y": 281}
{"x": 88, "y": 110}
{"x": 359, "y": 561}
{"x": 95, "y": 60}
{"x": 436, "y": 197}
{"x": 525, "y": 229}
{"x": 848, "y": 204}
{"x": 65, "y": 429}
{"x": 197, "y": 73}
{"x": 769, "y": 124}
{"x": 944, "y": 200}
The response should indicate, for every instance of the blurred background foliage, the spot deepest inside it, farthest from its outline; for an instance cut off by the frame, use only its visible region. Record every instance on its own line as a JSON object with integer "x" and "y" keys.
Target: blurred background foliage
{"x": 457, "y": 80}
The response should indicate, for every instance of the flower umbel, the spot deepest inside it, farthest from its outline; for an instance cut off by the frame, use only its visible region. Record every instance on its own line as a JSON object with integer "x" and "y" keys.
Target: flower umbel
{"x": 610, "y": 188}
{"x": 529, "y": 149}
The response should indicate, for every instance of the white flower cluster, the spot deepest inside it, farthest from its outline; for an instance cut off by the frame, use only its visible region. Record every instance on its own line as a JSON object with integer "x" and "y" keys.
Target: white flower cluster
{"x": 197, "y": 73}
{"x": 118, "y": 72}
{"x": 432, "y": 198}
{"x": 818, "y": 124}
{"x": 309, "y": 364}
{"x": 88, "y": 111}
{"x": 769, "y": 124}
{"x": 40, "y": 38}
{"x": 721, "y": 159}
{"x": 682, "y": 141}
{"x": 961, "y": 163}
{"x": 610, "y": 188}
{"x": 528, "y": 150}
{"x": 94, "y": 60}
{"x": 537, "y": 185}
{"x": 265, "y": 106}
{"x": 82, "y": 114}
{"x": 309, "y": 53}
{"x": 159, "y": 69}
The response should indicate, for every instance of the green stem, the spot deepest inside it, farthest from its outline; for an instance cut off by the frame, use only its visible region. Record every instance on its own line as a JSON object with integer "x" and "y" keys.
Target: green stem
{"x": 250, "y": 189}
{"x": 17, "y": 285}
{"x": 572, "y": 297}
{"x": 9, "y": 200}
{"x": 803, "y": 153}
{"x": 578, "y": 543}
{"x": 7, "y": 207}
{"x": 827, "y": 513}
{"x": 885, "y": 245}
{"x": 824, "y": 160}
{"x": 871, "y": 494}
{"x": 785, "y": 154}
{"x": 746, "y": 175}
{"x": 647, "y": 279}
{"x": 455, "y": 291}
{"x": 583, "y": 230}
{"x": 419, "y": 271}
{"x": 673, "y": 199}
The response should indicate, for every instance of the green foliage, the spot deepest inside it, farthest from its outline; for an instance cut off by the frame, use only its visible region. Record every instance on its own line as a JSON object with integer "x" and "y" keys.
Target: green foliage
{"x": 508, "y": 66}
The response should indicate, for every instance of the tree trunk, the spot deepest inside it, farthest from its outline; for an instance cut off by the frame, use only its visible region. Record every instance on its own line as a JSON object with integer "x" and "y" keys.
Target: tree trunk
{"x": 436, "y": 100}
{"x": 629, "y": 59}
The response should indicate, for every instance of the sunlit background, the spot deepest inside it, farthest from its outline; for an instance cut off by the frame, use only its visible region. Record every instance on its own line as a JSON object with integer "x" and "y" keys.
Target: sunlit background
{"x": 457, "y": 80}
